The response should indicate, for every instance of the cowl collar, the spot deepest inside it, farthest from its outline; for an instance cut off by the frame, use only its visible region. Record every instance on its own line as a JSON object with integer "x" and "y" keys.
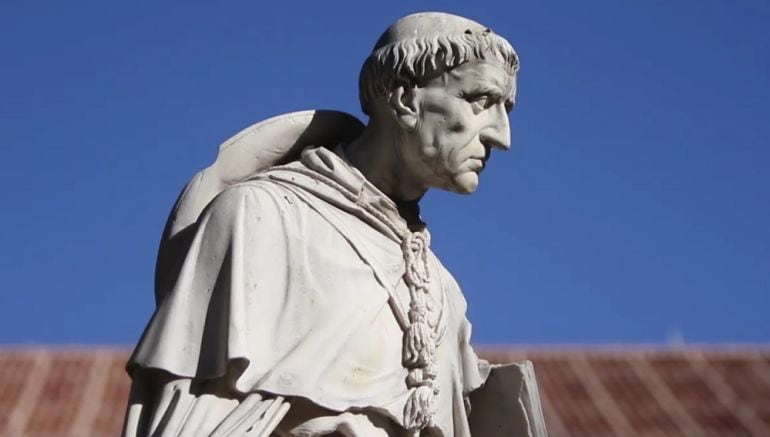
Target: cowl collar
{"x": 335, "y": 166}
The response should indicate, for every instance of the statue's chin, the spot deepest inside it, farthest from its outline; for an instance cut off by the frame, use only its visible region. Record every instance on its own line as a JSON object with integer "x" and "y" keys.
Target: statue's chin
{"x": 465, "y": 183}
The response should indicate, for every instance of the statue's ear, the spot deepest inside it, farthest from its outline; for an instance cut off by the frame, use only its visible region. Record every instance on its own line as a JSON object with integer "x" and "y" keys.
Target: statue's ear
{"x": 404, "y": 106}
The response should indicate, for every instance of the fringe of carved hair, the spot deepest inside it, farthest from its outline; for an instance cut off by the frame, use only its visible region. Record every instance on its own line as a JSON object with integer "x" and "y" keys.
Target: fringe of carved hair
{"x": 409, "y": 61}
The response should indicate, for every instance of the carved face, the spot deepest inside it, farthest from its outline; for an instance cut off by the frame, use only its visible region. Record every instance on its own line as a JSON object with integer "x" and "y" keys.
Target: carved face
{"x": 458, "y": 118}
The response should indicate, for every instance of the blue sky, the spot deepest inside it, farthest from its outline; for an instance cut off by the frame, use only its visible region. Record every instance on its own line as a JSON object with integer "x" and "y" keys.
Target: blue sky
{"x": 633, "y": 207}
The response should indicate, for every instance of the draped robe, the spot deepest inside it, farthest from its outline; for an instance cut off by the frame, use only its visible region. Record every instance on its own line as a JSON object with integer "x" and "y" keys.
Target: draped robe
{"x": 289, "y": 288}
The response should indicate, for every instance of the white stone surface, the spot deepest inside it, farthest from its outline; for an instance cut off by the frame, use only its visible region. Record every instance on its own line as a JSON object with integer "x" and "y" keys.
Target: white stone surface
{"x": 296, "y": 290}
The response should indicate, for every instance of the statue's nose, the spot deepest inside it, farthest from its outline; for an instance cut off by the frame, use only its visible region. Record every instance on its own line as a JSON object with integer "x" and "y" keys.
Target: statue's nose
{"x": 498, "y": 133}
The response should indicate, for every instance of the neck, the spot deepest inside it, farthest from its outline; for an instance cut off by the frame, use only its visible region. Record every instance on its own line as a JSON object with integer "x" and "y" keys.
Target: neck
{"x": 375, "y": 153}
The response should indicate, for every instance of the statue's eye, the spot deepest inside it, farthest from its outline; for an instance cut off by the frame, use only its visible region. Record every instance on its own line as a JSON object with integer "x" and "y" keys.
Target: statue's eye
{"x": 479, "y": 102}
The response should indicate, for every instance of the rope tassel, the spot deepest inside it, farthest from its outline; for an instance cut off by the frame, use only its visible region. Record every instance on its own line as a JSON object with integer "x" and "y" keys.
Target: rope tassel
{"x": 419, "y": 338}
{"x": 420, "y": 325}
{"x": 420, "y": 408}
{"x": 418, "y": 345}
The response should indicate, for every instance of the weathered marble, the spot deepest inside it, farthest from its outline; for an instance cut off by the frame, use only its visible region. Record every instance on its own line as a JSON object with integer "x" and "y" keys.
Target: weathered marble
{"x": 296, "y": 291}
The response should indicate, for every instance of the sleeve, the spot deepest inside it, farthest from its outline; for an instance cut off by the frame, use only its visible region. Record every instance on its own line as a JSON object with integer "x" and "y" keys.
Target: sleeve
{"x": 198, "y": 329}
{"x": 260, "y": 301}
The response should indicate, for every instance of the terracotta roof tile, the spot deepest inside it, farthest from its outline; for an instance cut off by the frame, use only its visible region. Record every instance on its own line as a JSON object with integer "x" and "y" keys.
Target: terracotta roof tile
{"x": 696, "y": 392}
{"x": 697, "y": 397}
{"x": 747, "y": 383}
{"x": 570, "y": 399}
{"x": 113, "y": 398}
{"x": 633, "y": 397}
{"x": 61, "y": 394}
{"x": 15, "y": 371}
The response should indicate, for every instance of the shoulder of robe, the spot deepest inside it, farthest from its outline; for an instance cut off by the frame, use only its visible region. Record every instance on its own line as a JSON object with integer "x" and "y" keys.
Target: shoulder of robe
{"x": 258, "y": 196}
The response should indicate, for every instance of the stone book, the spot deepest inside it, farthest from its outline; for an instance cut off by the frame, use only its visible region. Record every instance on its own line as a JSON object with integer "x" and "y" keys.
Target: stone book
{"x": 508, "y": 404}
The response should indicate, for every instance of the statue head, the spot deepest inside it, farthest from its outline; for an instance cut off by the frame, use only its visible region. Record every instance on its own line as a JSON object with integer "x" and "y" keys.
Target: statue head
{"x": 446, "y": 84}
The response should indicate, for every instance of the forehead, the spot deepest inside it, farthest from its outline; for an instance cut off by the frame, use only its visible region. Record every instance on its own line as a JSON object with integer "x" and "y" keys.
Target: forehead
{"x": 481, "y": 74}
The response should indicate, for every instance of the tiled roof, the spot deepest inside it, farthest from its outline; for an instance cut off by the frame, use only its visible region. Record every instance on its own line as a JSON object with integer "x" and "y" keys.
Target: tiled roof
{"x": 586, "y": 392}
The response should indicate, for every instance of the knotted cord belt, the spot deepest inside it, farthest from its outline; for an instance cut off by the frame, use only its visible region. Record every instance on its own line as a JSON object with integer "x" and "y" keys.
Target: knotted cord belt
{"x": 418, "y": 324}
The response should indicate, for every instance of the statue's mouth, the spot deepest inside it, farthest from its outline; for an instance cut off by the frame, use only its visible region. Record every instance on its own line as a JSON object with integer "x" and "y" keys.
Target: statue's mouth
{"x": 478, "y": 164}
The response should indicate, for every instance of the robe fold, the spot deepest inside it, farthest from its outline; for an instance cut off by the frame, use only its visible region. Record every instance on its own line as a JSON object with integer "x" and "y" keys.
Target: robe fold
{"x": 289, "y": 288}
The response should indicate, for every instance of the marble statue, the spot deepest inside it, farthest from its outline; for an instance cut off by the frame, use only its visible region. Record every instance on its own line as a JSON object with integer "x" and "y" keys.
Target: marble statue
{"x": 296, "y": 291}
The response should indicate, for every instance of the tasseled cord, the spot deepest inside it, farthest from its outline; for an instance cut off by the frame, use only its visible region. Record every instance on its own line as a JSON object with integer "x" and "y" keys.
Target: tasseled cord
{"x": 419, "y": 338}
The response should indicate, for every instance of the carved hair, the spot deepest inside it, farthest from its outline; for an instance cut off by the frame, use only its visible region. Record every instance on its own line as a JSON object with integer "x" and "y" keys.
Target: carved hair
{"x": 408, "y": 62}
